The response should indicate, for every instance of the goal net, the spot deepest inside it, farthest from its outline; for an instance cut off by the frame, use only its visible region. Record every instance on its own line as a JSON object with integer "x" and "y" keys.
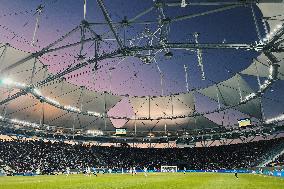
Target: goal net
{"x": 167, "y": 169}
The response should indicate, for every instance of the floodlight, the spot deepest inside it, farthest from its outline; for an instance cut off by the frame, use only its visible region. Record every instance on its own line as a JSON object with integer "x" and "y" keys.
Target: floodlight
{"x": 168, "y": 55}
{"x": 7, "y": 81}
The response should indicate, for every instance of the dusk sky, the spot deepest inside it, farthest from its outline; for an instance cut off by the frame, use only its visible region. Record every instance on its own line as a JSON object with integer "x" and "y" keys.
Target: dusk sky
{"x": 131, "y": 76}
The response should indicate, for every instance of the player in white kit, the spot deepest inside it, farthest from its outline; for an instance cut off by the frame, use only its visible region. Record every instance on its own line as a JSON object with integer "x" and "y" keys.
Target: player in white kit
{"x": 38, "y": 171}
{"x": 145, "y": 171}
{"x": 134, "y": 171}
{"x": 131, "y": 171}
{"x": 67, "y": 171}
{"x": 88, "y": 171}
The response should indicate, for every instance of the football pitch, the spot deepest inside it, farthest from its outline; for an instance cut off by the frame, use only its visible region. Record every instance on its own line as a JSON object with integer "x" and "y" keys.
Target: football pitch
{"x": 153, "y": 180}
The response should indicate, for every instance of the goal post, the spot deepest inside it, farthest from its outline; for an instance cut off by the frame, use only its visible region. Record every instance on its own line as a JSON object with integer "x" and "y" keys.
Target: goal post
{"x": 168, "y": 169}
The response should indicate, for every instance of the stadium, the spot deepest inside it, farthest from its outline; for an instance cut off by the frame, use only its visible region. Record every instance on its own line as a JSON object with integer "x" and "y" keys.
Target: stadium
{"x": 141, "y": 94}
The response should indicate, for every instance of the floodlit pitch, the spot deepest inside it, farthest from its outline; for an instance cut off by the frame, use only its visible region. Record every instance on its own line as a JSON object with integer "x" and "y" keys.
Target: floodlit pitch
{"x": 154, "y": 180}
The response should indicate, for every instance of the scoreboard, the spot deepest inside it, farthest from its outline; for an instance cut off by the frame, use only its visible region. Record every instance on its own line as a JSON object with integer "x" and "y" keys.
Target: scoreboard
{"x": 120, "y": 131}
{"x": 244, "y": 122}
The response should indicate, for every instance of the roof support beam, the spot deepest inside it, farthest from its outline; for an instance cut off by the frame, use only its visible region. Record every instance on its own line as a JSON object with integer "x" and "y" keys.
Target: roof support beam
{"x": 109, "y": 21}
{"x": 180, "y": 18}
{"x": 41, "y": 52}
{"x": 12, "y": 97}
{"x": 218, "y": 2}
{"x": 273, "y": 43}
{"x": 140, "y": 14}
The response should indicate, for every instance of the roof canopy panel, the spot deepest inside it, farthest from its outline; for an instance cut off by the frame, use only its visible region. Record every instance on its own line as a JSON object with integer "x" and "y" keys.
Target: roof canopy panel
{"x": 28, "y": 71}
{"x": 273, "y": 12}
{"x": 167, "y": 106}
{"x": 260, "y": 66}
{"x": 231, "y": 92}
{"x": 189, "y": 123}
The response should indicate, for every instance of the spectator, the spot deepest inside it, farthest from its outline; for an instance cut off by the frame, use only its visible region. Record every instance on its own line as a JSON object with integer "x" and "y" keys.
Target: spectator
{"x": 30, "y": 155}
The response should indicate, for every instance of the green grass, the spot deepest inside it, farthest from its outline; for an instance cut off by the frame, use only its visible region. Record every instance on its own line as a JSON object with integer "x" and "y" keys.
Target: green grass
{"x": 153, "y": 181}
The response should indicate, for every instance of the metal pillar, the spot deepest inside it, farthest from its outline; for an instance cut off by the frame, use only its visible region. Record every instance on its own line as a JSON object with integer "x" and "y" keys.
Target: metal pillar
{"x": 38, "y": 14}
{"x": 186, "y": 77}
{"x": 199, "y": 57}
{"x": 255, "y": 22}
{"x": 135, "y": 126}
{"x": 109, "y": 21}
{"x": 85, "y": 9}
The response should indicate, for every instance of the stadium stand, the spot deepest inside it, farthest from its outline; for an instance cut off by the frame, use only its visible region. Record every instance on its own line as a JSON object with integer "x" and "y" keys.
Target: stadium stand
{"x": 273, "y": 156}
{"x": 25, "y": 156}
{"x": 279, "y": 161}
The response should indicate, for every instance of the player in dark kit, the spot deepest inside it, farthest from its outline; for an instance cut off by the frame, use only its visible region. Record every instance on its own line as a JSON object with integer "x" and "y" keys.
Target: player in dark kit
{"x": 236, "y": 175}
{"x": 95, "y": 173}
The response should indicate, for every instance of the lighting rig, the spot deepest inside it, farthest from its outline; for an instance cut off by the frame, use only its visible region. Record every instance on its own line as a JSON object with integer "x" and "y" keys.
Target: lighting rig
{"x": 199, "y": 57}
{"x": 181, "y": 137}
{"x": 39, "y": 10}
{"x": 183, "y": 3}
{"x": 186, "y": 77}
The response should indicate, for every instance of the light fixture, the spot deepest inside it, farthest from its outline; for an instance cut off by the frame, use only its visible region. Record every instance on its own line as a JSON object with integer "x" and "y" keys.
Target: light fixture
{"x": 7, "y": 81}
{"x": 168, "y": 55}
{"x": 183, "y": 3}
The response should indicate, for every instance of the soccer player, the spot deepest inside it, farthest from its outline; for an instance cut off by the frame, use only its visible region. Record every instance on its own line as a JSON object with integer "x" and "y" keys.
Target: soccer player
{"x": 236, "y": 174}
{"x": 95, "y": 173}
{"x": 131, "y": 171}
{"x": 67, "y": 171}
{"x": 145, "y": 171}
{"x": 38, "y": 171}
{"x": 88, "y": 171}
{"x": 134, "y": 171}
{"x": 155, "y": 170}
{"x": 184, "y": 170}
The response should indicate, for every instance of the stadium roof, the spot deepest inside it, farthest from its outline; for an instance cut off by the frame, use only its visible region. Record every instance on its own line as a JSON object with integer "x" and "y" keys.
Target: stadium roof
{"x": 150, "y": 113}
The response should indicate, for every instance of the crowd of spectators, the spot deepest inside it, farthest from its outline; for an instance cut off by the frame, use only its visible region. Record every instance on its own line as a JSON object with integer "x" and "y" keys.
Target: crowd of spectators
{"x": 30, "y": 155}
{"x": 234, "y": 156}
{"x": 279, "y": 161}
